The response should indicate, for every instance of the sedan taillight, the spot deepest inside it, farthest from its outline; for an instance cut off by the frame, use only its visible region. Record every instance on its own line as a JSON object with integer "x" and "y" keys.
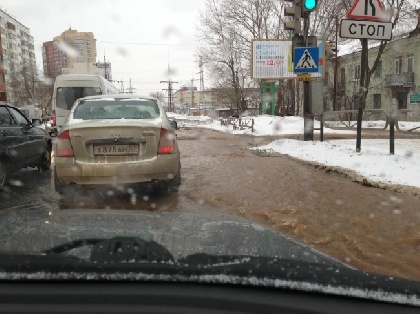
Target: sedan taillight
{"x": 64, "y": 148}
{"x": 166, "y": 143}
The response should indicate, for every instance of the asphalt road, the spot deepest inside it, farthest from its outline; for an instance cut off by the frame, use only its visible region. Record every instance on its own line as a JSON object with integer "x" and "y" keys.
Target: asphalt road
{"x": 369, "y": 228}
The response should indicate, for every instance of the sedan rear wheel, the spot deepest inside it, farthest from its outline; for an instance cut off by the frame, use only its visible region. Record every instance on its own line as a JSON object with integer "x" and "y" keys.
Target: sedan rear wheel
{"x": 3, "y": 172}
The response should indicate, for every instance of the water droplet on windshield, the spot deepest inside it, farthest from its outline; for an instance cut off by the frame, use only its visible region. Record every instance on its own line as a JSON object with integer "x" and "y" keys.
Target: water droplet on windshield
{"x": 122, "y": 52}
{"x": 15, "y": 182}
{"x": 133, "y": 199}
{"x": 395, "y": 199}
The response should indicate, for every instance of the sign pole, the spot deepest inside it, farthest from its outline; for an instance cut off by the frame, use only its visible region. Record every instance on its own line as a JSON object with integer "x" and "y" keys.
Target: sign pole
{"x": 361, "y": 96}
{"x": 308, "y": 123}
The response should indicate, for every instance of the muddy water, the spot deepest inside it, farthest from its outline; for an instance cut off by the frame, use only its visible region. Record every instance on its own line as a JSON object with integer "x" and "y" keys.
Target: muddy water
{"x": 372, "y": 229}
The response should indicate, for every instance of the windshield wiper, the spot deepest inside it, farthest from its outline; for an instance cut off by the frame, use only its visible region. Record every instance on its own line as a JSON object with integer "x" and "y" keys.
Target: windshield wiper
{"x": 118, "y": 250}
{"x": 62, "y": 248}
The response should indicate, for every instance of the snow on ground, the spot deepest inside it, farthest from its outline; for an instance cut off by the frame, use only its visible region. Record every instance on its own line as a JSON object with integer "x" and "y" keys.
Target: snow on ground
{"x": 373, "y": 162}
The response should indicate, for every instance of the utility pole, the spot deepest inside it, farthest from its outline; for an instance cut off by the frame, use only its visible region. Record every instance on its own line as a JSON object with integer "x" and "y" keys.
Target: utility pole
{"x": 192, "y": 92}
{"x": 202, "y": 92}
{"x": 105, "y": 69}
{"x": 130, "y": 89}
{"x": 171, "y": 105}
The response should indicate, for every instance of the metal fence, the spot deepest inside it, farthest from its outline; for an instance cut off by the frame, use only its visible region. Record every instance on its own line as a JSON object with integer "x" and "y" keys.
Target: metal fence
{"x": 238, "y": 123}
{"x": 348, "y": 119}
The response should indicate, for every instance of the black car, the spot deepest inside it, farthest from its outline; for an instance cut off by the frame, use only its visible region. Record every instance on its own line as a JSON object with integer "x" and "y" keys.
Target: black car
{"x": 22, "y": 144}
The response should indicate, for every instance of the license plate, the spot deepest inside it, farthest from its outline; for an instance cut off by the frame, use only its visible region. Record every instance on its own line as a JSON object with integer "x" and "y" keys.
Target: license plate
{"x": 116, "y": 150}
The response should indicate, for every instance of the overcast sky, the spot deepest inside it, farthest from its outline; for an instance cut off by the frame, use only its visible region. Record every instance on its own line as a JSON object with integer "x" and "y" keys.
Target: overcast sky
{"x": 138, "y": 37}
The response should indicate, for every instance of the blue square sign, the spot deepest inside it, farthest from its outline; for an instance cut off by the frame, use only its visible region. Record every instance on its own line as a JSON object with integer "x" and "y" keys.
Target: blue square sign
{"x": 306, "y": 60}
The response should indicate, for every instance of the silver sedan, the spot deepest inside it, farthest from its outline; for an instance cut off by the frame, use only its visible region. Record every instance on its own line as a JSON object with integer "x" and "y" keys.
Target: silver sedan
{"x": 117, "y": 140}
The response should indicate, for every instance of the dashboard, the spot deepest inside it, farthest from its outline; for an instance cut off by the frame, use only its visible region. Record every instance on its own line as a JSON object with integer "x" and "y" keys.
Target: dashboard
{"x": 146, "y": 297}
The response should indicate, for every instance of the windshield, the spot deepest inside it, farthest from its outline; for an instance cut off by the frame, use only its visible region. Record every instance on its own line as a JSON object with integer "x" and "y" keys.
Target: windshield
{"x": 66, "y": 96}
{"x": 223, "y": 133}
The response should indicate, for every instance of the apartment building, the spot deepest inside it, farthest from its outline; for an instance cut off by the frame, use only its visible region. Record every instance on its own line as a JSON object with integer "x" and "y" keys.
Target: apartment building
{"x": 16, "y": 51}
{"x": 70, "y": 52}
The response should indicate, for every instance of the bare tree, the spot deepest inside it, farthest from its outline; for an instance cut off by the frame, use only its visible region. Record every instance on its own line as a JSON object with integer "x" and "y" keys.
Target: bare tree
{"x": 227, "y": 29}
{"x": 27, "y": 87}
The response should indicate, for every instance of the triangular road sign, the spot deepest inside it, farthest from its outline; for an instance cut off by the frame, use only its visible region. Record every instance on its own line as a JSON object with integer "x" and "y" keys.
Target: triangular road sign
{"x": 367, "y": 10}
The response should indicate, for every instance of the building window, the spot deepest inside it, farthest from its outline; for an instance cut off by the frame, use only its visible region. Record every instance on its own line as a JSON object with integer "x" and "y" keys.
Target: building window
{"x": 11, "y": 26}
{"x": 378, "y": 71}
{"x": 357, "y": 72}
{"x": 398, "y": 65}
{"x": 376, "y": 101}
{"x": 410, "y": 64}
{"x": 343, "y": 76}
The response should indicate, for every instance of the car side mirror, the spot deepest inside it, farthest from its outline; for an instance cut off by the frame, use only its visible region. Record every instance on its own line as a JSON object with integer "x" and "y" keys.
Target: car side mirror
{"x": 174, "y": 124}
{"x": 36, "y": 122}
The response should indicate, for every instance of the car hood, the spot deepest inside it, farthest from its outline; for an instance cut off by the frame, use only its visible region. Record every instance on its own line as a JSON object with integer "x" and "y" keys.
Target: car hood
{"x": 237, "y": 251}
{"x": 181, "y": 233}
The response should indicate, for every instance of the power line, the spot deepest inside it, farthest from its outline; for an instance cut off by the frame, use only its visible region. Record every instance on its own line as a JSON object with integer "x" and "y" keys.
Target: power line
{"x": 144, "y": 43}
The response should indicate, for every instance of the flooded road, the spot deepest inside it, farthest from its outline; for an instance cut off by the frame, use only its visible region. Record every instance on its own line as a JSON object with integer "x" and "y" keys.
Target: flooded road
{"x": 369, "y": 228}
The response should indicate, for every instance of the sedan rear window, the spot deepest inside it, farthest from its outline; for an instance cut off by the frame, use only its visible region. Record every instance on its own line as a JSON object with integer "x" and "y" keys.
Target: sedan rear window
{"x": 110, "y": 108}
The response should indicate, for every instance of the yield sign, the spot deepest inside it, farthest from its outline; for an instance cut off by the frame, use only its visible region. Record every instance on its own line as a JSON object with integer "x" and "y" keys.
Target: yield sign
{"x": 367, "y": 10}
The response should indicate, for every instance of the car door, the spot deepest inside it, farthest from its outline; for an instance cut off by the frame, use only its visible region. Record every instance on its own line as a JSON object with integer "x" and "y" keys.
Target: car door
{"x": 12, "y": 139}
{"x": 34, "y": 138}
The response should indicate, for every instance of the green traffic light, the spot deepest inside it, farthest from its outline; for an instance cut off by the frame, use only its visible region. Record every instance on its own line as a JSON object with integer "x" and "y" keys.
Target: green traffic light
{"x": 310, "y": 4}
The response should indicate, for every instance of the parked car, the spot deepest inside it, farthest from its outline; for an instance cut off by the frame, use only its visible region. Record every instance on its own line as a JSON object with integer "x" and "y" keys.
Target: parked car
{"x": 22, "y": 143}
{"x": 117, "y": 140}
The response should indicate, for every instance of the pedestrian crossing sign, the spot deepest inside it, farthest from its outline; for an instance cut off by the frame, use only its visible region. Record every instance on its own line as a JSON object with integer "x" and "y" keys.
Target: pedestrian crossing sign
{"x": 306, "y": 60}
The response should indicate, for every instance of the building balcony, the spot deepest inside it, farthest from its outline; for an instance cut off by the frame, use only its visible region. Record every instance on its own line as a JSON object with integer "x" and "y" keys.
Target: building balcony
{"x": 399, "y": 80}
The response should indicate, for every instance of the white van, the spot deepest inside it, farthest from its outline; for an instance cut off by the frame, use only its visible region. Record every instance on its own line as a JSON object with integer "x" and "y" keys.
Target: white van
{"x": 70, "y": 87}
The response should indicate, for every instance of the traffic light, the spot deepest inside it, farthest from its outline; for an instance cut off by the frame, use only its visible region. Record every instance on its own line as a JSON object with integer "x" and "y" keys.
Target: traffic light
{"x": 296, "y": 12}
{"x": 309, "y": 5}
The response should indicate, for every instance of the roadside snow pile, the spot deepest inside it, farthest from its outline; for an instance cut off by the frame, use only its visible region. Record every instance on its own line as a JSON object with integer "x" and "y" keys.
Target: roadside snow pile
{"x": 373, "y": 162}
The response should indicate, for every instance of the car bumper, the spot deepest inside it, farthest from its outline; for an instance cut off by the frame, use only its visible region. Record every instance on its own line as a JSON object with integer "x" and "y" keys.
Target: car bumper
{"x": 162, "y": 168}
